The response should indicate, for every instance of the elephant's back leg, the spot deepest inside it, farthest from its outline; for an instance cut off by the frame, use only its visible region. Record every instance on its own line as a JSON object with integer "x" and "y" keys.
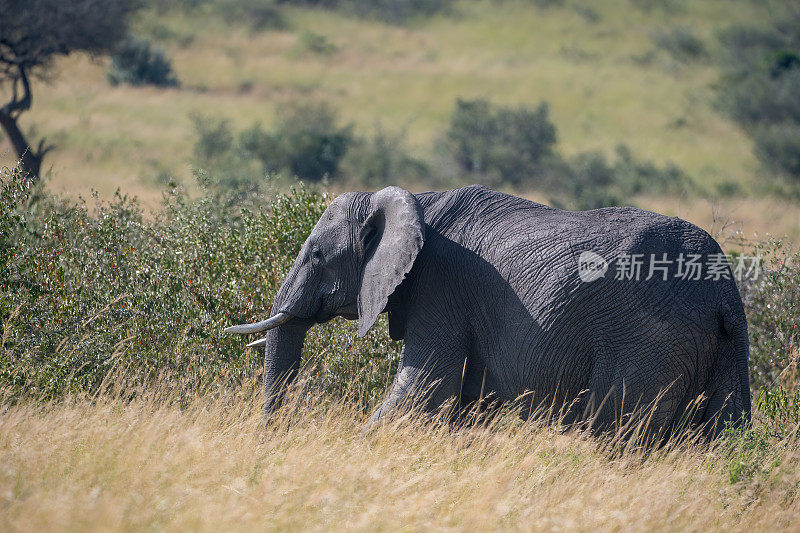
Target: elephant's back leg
{"x": 644, "y": 383}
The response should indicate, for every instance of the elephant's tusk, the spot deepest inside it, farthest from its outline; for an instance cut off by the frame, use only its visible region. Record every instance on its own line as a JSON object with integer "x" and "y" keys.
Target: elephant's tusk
{"x": 258, "y": 344}
{"x": 264, "y": 325}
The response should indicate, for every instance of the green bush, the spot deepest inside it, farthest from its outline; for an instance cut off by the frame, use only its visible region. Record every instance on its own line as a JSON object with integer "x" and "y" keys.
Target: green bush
{"x": 756, "y": 97}
{"x": 214, "y": 137}
{"x": 515, "y": 146}
{"x": 644, "y": 177}
{"x": 223, "y": 164}
{"x": 681, "y": 43}
{"x": 314, "y": 43}
{"x": 668, "y": 6}
{"x": 382, "y": 160}
{"x": 389, "y": 11}
{"x": 14, "y": 194}
{"x": 258, "y": 14}
{"x": 106, "y": 288}
{"x": 760, "y": 87}
{"x": 778, "y": 146}
{"x": 137, "y": 62}
{"x": 395, "y": 11}
{"x": 512, "y": 144}
{"x": 779, "y": 408}
{"x": 590, "y": 181}
{"x": 311, "y": 144}
{"x": 306, "y": 142}
{"x": 772, "y": 303}
{"x": 261, "y": 145}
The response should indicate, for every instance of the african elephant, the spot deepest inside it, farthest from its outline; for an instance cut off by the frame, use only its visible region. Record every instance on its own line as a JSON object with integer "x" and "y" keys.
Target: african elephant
{"x": 496, "y": 295}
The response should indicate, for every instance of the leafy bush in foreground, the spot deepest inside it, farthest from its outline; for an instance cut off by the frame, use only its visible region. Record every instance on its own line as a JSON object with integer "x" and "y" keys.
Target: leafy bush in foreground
{"x": 85, "y": 291}
{"x": 772, "y": 303}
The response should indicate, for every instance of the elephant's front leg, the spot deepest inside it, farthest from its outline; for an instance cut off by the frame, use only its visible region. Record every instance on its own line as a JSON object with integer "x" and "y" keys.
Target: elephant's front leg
{"x": 430, "y": 373}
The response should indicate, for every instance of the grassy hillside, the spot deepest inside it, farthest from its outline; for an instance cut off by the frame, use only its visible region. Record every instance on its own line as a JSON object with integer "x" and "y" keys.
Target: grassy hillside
{"x": 597, "y": 64}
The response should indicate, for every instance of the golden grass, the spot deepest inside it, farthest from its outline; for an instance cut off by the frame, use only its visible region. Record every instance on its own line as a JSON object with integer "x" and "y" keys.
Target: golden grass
{"x": 211, "y": 465}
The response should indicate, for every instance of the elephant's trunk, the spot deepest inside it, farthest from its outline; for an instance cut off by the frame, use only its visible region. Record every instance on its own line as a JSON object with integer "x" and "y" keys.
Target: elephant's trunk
{"x": 283, "y": 346}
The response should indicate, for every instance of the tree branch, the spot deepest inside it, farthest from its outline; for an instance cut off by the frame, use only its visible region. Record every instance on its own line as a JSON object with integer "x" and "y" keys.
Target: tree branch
{"x": 43, "y": 148}
{"x": 18, "y": 105}
{"x": 27, "y": 99}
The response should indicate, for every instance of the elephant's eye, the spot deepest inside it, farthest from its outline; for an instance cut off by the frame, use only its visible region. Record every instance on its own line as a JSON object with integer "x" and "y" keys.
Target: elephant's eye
{"x": 316, "y": 255}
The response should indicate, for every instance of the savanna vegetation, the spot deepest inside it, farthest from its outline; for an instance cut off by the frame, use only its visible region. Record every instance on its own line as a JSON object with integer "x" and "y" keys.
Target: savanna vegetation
{"x": 124, "y": 406}
{"x": 225, "y": 127}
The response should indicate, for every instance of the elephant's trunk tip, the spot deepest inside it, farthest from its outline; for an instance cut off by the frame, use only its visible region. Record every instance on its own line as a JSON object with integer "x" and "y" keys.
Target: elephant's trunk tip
{"x": 258, "y": 327}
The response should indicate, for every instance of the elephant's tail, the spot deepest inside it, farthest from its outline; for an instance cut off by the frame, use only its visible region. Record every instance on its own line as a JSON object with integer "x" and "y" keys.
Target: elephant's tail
{"x": 729, "y": 384}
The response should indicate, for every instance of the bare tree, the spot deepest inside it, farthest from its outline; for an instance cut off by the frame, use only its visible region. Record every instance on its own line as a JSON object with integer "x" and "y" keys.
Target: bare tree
{"x": 32, "y": 34}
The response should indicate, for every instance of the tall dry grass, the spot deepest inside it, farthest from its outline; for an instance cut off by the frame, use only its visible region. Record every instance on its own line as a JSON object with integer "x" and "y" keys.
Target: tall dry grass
{"x": 153, "y": 461}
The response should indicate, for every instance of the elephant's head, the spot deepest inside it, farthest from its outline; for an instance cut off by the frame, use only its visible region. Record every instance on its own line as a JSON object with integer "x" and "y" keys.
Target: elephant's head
{"x": 356, "y": 256}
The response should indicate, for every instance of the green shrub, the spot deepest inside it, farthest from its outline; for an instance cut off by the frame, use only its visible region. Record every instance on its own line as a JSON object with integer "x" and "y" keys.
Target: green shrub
{"x": 590, "y": 181}
{"x": 311, "y": 144}
{"x": 779, "y": 409}
{"x": 306, "y": 142}
{"x": 382, "y": 160}
{"x": 760, "y": 87}
{"x": 746, "y": 450}
{"x": 14, "y": 193}
{"x": 756, "y": 97}
{"x": 389, "y": 11}
{"x": 545, "y": 4}
{"x": 222, "y": 163}
{"x": 261, "y": 145}
{"x": 772, "y": 303}
{"x": 511, "y": 143}
{"x": 258, "y": 14}
{"x": 137, "y": 62}
{"x": 106, "y": 288}
{"x": 681, "y": 43}
{"x": 515, "y": 146}
{"x": 644, "y": 177}
{"x": 214, "y": 137}
{"x": 314, "y": 43}
{"x": 668, "y": 6}
{"x": 396, "y": 11}
{"x": 472, "y": 133}
{"x": 778, "y": 146}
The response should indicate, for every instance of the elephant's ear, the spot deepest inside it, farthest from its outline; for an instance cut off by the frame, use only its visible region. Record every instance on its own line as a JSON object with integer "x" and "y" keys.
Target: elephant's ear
{"x": 391, "y": 237}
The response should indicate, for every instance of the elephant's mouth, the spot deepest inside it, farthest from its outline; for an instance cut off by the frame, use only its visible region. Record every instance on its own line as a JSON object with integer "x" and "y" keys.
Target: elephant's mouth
{"x": 286, "y": 317}
{"x": 329, "y": 308}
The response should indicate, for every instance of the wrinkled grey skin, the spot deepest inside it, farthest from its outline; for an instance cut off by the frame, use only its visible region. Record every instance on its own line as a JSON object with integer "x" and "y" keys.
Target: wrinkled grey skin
{"x": 491, "y": 279}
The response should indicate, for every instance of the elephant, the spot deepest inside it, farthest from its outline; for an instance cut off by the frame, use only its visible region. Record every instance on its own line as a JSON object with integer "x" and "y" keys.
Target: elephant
{"x": 499, "y": 297}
